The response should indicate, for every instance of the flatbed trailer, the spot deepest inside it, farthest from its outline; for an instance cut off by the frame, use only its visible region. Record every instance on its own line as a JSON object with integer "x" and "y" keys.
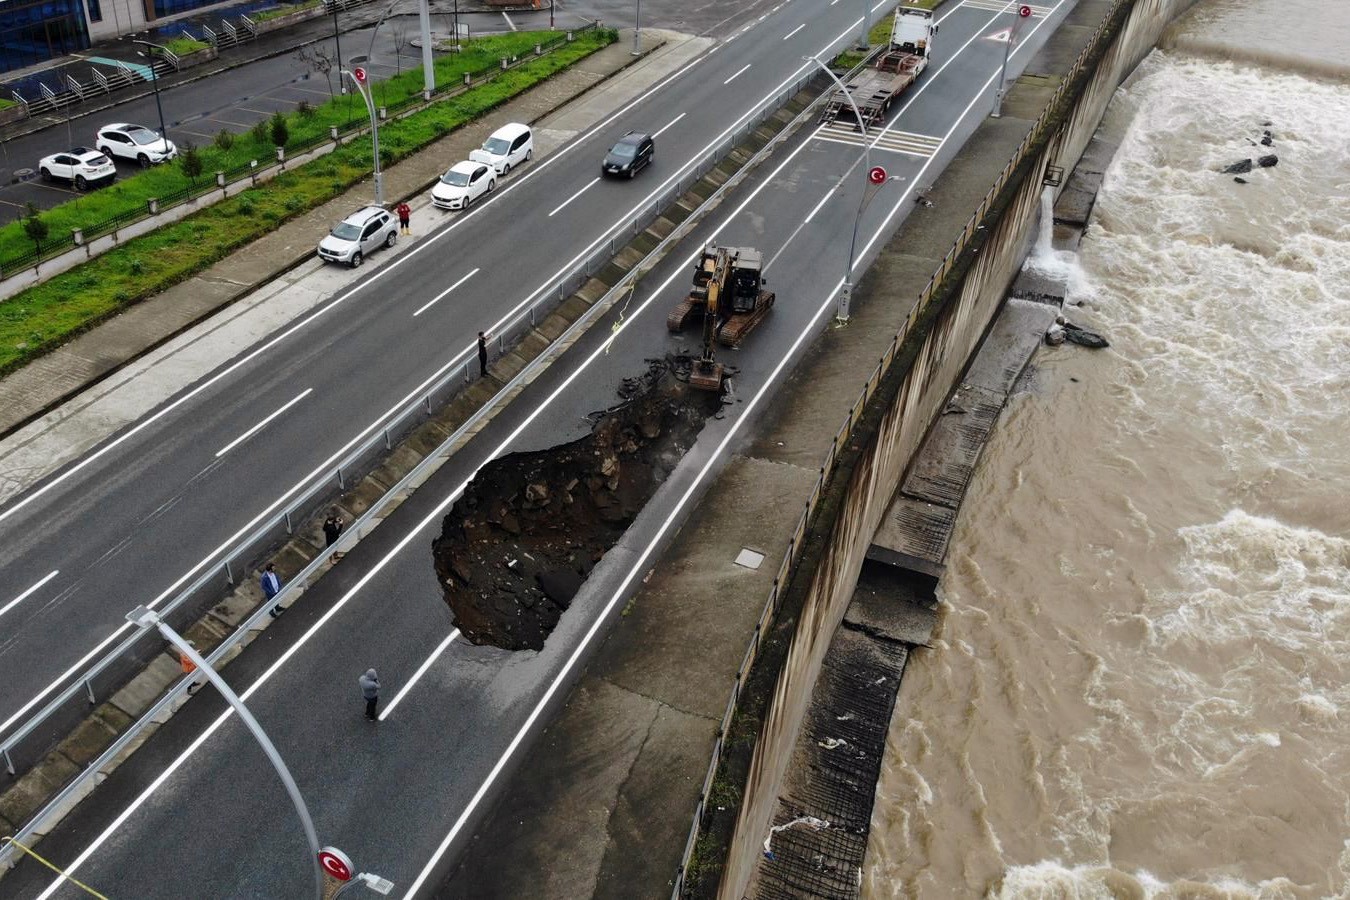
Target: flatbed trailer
{"x": 875, "y": 88}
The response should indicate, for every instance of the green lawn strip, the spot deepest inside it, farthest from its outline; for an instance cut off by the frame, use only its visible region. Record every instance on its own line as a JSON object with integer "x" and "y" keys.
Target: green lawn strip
{"x": 311, "y": 125}
{"x": 286, "y": 10}
{"x": 44, "y": 316}
{"x": 182, "y": 46}
{"x": 880, "y": 34}
{"x": 5, "y": 104}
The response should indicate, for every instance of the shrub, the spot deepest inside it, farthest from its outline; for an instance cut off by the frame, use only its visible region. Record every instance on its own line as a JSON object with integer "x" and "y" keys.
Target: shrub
{"x": 305, "y": 109}
{"x": 191, "y": 162}
{"x": 224, "y": 140}
{"x": 259, "y": 132}
{"x": 34, "y": 227}
{"x": 279, "y": 130}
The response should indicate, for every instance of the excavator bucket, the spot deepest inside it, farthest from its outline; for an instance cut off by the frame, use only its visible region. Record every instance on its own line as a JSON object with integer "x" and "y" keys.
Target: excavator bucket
{"x": 706, "y": 375}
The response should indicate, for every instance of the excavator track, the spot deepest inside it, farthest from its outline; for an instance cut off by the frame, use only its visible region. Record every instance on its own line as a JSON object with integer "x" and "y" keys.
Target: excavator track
{"x": 737, "y": 326}
{"x": 675, "y": 322}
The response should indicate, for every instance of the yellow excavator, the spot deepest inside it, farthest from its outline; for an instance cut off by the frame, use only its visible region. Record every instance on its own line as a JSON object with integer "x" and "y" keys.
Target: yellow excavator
{"x": 728, "y": 287}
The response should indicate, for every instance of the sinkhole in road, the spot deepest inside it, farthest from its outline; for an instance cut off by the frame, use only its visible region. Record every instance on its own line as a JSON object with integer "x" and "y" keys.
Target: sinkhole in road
{"x": 518, "y": 545}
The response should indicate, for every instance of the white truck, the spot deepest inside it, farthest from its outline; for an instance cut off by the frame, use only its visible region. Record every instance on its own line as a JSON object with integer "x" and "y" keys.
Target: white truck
{"x": 896, "y": 68}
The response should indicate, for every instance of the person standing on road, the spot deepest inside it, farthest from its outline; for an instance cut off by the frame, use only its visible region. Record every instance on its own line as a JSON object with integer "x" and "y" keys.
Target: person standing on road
{"x": 482, "y": 354}
{"x": 271, "y": 586}
{"x": 332, "y": 530}
{"x": 404, "y": 218}
{"x": 370, "y": 691}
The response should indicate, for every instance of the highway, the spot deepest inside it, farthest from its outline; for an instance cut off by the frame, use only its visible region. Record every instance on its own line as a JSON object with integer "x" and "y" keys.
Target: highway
{"x": 197, "y": 806}
{"x": 139, "y": 518}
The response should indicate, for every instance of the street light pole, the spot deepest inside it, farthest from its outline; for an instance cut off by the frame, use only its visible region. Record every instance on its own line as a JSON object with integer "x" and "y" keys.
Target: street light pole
{"x": 147, "y": 618}
{"x": 337, "y": 39}
{"x": 364, "y": 91}
{"x": 154, "y": 81}
{"x": 846, "y": 293}
{"x": 428, "y": 66}
{"x": 864, "y": 38}
{"x": 637, "y": 30}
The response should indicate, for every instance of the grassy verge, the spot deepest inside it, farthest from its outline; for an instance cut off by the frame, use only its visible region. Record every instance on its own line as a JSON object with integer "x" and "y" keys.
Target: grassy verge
{"x": 182, "y": 46}
{"x": 880, "y": 34}
{"x": 48, "y": 314}
{"x": 309, "y": 125}
{"x": 5, "y": 104}
{"x": 286, "y": 10}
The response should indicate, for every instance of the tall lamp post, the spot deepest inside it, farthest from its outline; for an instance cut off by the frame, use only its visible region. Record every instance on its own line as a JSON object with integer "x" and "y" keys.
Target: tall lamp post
{"x": 637, "y": 30}
{"x": 1023, "y": 12}
{"x": 846, "y": 293}
{"x": 147, "y": 618}
{"x": 362, "y": 83}
{"x": 154, "y": 79}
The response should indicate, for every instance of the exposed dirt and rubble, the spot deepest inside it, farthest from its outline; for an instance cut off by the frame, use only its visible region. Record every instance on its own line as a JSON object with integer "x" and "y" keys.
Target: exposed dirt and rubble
{"x": 516, "y": 548}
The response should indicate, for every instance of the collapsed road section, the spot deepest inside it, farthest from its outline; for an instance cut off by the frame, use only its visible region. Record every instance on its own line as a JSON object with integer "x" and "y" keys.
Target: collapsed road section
{"x": 517, "y": 546}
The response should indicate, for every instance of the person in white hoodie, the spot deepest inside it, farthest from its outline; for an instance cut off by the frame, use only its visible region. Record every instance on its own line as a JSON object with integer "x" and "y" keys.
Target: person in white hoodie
{"x": 370, "y": 690}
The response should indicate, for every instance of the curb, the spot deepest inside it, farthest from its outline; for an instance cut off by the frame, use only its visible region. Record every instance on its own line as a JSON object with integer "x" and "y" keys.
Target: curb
{"x": 296, "y": 261}
{"x": 159, "y": 690}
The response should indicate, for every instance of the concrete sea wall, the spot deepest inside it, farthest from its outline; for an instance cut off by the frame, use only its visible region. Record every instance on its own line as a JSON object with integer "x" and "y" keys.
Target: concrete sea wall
{"x": 1057, "y": 104}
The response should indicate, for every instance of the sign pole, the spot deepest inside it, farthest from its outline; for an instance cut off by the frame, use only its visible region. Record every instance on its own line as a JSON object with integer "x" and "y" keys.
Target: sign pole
{"x": 1022, "y": 13}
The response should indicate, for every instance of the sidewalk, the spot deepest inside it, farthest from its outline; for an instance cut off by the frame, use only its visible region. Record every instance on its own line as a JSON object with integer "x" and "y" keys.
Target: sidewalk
{"x": 277, "y": 277}
{"x": 265, "y": 46}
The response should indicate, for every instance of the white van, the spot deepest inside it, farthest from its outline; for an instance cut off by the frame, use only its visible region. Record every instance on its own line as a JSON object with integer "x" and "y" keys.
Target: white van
{"x": 509, "y": 146}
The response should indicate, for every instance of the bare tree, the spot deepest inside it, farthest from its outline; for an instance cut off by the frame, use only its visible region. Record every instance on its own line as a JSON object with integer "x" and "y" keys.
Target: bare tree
{"x": 316, "y": 60}
{"x": 400, "y": 34}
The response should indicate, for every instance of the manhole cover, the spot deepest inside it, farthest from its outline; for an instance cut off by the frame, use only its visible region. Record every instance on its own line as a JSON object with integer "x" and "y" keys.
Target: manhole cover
{"x": 749, "y": 558}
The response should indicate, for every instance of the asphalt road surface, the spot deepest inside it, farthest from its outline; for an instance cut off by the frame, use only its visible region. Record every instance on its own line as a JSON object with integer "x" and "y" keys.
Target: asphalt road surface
{"x": 197, "y": 805}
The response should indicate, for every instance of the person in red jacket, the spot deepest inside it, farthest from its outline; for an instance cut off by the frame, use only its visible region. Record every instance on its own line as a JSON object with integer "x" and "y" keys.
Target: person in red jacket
{"x": 404, "y": 217}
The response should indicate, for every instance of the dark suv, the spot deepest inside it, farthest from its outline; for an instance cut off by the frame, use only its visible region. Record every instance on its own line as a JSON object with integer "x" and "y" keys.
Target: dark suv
{"x": 633, "y": 151}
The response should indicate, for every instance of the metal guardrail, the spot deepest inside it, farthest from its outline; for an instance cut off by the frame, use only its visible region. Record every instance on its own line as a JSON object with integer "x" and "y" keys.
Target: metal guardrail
{"x": 103, "y": 676}
{"x": 355, "y": 126}
{"x": 841, "y": 437}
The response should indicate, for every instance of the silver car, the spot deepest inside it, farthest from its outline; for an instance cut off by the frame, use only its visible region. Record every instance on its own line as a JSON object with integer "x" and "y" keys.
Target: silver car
{"x": 364, "y": 231}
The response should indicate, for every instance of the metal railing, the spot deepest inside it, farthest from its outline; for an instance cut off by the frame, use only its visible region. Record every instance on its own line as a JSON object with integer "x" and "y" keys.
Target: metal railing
{"x": 356, "y": 125}
{"x": 107, "y": 675}
{"x": 799, "y": 533}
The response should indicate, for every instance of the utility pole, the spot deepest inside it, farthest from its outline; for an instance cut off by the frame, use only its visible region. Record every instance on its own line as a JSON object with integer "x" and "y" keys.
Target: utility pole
{"x": 337, "y": 39}
{"x": 637, "y": 30}
{"x": 428, "y": 68}
{"x": 154, "y": 81}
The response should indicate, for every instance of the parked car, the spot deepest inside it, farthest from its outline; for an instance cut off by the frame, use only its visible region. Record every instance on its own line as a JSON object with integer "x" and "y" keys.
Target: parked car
{"x": 136, "y": 143}
{"x": 630, "y": 155}
{"x": 80, "y": 166}
{"x": 463, "y": 183}
{"x": 364, "y": 231}
{"x": 509, "y": 146}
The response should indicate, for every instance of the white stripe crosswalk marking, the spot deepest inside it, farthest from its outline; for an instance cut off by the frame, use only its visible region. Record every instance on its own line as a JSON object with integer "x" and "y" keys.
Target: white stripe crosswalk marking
{"x": 921, "y": 145}
{"x": 997, "y": 6}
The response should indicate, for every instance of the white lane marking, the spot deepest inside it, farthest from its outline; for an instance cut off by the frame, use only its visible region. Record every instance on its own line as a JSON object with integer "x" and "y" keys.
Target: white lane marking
{"x": 433, "y": 516}
{"x": 26, "y": 594}
{"x": 794, "y": 31}
{"x": 263, "y": 424}
{"x": 590, "y": 184}
{"x": 509, "y": 23}
{"x": 384, "y": 270}
{"x": 880, "y": 5}
{"x": 441, "y": 296}
{"x": 417, "y": 676}
{"x": 668, "y": 124}
{"x": 833, "y": 2}
{"x": 738, "y": 73}
{"x": 379, "y": 273}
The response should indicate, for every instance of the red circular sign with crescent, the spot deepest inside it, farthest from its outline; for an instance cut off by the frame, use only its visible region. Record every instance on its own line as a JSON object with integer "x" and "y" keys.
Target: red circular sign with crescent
{"x": 876, "y": 175}
{"x": 335, "y": 862}
{"x": 360, "y": 74}
{"x": 1024, "y": 11}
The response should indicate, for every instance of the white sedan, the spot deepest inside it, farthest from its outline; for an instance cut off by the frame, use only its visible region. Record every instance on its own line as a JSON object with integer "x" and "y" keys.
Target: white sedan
{"x": 136, "y": 143}
{"x": 80, "y": 166}
{"x": 462, "y": 184}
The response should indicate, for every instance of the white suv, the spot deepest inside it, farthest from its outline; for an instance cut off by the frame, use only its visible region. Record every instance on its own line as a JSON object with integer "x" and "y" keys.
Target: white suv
{"x": 364, "y": 231}
{"x": 509, "y": 146}
{"x": 80, "y": 166}
{"x": 136, "y": 143}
